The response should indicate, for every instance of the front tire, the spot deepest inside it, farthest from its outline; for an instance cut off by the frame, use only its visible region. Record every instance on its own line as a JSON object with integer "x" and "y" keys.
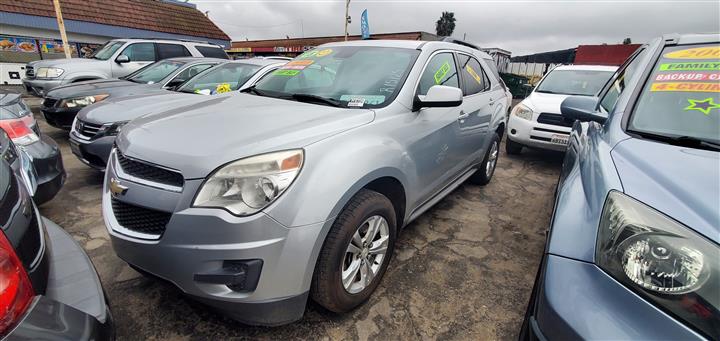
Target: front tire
{"x": 487, "y": 168}
{"x": 356, "y": 253}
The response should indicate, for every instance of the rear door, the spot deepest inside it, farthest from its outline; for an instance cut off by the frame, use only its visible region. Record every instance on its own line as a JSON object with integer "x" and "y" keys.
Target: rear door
{"x": 477, "y": 109}
{"x": 140, "y": 54}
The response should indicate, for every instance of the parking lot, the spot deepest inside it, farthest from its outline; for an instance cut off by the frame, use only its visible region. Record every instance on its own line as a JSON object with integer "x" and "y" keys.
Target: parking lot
{"x": 463, "y": 270}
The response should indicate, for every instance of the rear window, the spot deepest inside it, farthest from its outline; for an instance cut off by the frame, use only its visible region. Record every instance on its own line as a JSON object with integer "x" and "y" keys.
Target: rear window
{"x": 212, "y": 52}
{"x": 171, "y": 51}
{"x": 682, "y": 96}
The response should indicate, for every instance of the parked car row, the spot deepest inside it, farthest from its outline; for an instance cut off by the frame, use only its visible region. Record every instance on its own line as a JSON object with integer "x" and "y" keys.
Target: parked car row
{"x": 258, "y": 184}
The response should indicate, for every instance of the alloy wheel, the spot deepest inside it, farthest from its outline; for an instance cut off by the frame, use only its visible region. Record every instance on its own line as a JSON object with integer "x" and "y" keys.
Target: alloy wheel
{"x": 365, "y": 254}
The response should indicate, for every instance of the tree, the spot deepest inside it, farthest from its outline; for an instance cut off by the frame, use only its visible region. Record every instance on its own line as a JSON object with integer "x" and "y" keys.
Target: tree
{"x": 446, "y": 24}
{"x": 627, "y": 41}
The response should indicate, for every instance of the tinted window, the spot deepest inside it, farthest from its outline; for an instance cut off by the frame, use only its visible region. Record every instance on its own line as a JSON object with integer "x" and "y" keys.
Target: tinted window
{"x": 140, "y": 52}
{"x": 224, "y": 78}
{"x": 682, "y": 96}
{"x": 628, "y": 73}
{"x": 212, "y": 52}
{"x": 155, "y": 72}
{"x": 473, "y": 77}
{"x": 440, "y": 70}
{"x": 171, "y": 51}
{"x": 352, "y": 76}
{"x": 574, "y": 82}
{"x": 192, "y": 71}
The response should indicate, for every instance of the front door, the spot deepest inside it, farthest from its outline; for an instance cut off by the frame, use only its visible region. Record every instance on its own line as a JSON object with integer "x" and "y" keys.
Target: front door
{"x": 140, "y": 54}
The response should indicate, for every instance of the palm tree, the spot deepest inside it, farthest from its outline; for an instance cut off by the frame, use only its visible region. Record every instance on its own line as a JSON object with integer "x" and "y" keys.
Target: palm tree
{"x": 446, "y": 24}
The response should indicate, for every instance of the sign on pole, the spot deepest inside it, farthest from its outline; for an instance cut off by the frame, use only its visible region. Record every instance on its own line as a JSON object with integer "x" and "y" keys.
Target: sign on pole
{"x": 365, "y": 25}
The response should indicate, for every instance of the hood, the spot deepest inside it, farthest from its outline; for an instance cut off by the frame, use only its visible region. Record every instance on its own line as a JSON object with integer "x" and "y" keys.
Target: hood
{"x": 131, "y": 107}
{"x": 93, "y": 87}
{"x": 196, "y": 139}
{"x": 680, "y": 182}
{"x": 542, "y": 102}
{"x": 63, "y": 61}
{"x": 12, "y": 106}
{"x": 8, "y": 98}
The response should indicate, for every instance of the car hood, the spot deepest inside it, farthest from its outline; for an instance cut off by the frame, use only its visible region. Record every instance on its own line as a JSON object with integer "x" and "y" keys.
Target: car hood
{"x": 133, "y": 106}
{"x": 541, "y": 102}
{"x": 680, "y": 182}
{"x": 7, "y": 98}
{"x": 60, "y": 62}
{"x": 113, "y": 87}
{"x": 196, "y": 139}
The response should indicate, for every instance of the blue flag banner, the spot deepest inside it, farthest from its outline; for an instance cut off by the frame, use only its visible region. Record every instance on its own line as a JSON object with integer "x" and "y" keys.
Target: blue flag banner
{"x": 365, "y": 25}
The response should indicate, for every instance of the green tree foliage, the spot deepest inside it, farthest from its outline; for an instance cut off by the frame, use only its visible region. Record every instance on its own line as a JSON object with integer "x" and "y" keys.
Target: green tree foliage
{"x": 446, "y": 24}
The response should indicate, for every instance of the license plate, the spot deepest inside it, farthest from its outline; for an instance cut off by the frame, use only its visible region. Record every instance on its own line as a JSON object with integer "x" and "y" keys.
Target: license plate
{"x": 75, "y": 148}
{"x": 559, "y": 139}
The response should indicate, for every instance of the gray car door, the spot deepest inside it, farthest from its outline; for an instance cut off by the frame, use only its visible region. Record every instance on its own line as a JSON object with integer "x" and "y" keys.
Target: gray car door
{"x": 433, "y": 145}
{"x": 140, "y": 54}
{"x": 476, "y": 111}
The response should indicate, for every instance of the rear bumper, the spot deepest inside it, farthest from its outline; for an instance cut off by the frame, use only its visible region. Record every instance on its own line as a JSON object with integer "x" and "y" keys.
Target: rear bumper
{"x": 74, "y": 306}
{"x": 578, "y": 301}
{"x": 47, "y": 160}
{"x": 39, "y": 87}
{"x": 534, "y": 134}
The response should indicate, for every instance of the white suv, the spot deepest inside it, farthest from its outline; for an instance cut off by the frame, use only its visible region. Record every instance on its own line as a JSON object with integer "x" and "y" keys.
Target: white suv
{"x": 115, "y": 59}
{"x": 537, "y": 122}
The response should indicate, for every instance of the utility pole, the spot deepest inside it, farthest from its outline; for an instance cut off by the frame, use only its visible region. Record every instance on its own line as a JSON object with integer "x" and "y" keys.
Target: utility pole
{"x": 61, "y": 26}
{"x": 347, "y": 17}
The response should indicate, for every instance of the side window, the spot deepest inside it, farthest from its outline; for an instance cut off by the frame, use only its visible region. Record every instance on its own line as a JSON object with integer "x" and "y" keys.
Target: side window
{"x": 212, "y": 52}
{"x": 140, "y": 52}
{"x": 474, "y": 78}
{"x": 192, "y": 71}
{"x": 172, "y": 51}
{"x": 627, "y": 74}
{"x": 440, "y": 70}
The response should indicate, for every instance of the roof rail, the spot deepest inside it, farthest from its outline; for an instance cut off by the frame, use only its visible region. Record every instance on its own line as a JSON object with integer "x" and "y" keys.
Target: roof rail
{"x": 460, "y": 42}
{"x": 174, "y": 39}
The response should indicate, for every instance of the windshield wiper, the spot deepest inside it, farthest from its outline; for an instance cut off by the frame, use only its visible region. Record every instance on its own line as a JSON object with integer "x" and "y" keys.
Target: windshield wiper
{"x": 683, "y": 141}
{"x": 254, "y": 90}
{"x": 315, "y": 98}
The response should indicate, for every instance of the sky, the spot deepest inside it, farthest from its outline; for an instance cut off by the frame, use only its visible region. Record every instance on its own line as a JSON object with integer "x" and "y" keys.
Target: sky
{"x": 522, "y": 27}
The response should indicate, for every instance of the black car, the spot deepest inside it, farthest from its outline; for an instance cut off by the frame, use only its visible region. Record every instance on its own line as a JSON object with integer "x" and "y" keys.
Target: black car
{"x": 49, "y": 289}
{"x": 18, "y": 121}
{"x": 61, "y": 104}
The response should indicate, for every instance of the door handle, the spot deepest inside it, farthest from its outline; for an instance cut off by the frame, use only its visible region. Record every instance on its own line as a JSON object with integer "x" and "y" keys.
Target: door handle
{"x": 463, "y": 115}
{"x": 491, "y": 102}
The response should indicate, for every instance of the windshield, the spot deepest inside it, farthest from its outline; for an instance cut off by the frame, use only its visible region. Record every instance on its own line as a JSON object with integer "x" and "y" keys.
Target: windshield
{"x": 682, "y": 96}
{"x": 223, "y": 78}
{"x": 574, "y": 82}
{"x": 107, "y": 50}
{"x": 155, "y": 72}
{"x": 346, "y": 76}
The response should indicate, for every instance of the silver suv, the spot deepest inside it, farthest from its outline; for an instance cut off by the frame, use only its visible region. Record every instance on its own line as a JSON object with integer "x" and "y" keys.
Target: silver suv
{"x": 297, "y": 189}
{"x": 116, "y": 58}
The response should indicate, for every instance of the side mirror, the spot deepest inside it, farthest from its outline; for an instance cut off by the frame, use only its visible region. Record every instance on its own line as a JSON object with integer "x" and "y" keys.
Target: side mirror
{"x": 174, "y": 83}
{"x": 582, "y": 108}
{"x": 439, "y": 96}
{"x": 122, "y": 59}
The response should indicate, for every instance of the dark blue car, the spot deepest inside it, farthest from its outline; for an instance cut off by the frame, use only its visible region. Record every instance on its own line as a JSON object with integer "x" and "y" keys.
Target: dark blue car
{"x": 632, "y": 251}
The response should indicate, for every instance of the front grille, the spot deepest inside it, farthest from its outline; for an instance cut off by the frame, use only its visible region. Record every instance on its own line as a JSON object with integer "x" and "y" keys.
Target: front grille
{"x": 149, "y": 172}
{"x": 555, "y": 119}
{"x": 140, "y": 219}
{"x": 86, "y": 129}
{"x": 49, "y": 102}
{"x": 29, "y": 72}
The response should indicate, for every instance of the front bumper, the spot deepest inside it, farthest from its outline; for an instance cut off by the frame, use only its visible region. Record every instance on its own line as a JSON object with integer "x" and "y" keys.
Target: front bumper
{"x": 534, "y": 134}
{"x": 94, "y": 153}
{"x": 200, "y": 241}
{"x": 39, "y": 87}
{"x": 59, "y": 117}
{"x": 577, "y": 300}
{"x": 47, "y": 161}
{"x": 74, "y": 306}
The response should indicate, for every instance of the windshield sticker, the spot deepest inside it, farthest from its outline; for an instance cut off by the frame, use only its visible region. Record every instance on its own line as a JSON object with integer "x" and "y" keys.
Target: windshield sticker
{"x": 474, "y": 74}
{"x": 356, "y": 102}
{"x": 297, "y": 64}
{"x": 366, "y": 99}
{"x": 391, "y": 82}
{"x": 715, "y": 66}
{"x": 222, "y": 88}
{"x": 442, "y": 72}
{"x": 712, "y": 52}
{"x": 315, "y": 53}
{"x": 687, "y": 87}
{"x": 687, "y": 76}
{"x": 290, "y": 73}
{"x": 323, "y": 53}
{"x": 704, "y": 106}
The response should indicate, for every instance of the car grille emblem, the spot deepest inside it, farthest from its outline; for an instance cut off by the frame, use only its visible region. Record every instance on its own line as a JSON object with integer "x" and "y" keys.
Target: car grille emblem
{"x": 116, "y": 188}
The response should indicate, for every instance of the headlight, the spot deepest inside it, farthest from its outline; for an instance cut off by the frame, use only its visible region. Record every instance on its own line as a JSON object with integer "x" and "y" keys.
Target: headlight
{"x": 82, "y": 101}
{"x": 662, "y": 260}
{"x": 48, "y": 72}
{"x": 523, "y": 112}
{"x": 248, "y": 185}
{"x": 112, "y": 129}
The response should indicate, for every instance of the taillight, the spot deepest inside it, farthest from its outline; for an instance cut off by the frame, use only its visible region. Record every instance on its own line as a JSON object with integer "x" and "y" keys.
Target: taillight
{"x": 16, "y": 292}
{"x": 18, "y": 129}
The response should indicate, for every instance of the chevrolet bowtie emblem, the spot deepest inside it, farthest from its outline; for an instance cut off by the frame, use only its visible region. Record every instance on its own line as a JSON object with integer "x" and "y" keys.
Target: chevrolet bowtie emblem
{"x": 116, "y": 188}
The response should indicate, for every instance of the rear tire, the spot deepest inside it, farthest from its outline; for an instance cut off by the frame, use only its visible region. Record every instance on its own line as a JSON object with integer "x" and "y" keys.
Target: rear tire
{"x": 339, "y": 283}
{"x": 487, "y": 168}
{"x": 512, "y": 148}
